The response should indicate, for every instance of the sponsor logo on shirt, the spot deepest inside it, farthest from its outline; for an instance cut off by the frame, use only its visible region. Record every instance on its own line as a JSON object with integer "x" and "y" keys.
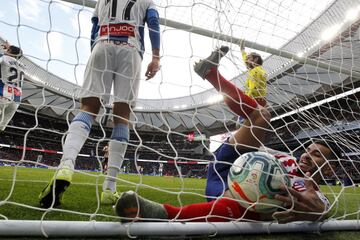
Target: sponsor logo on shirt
{"x": 118, "y": 30}
{"x": 288, "y": 162}
{"x": 14, "y": 90}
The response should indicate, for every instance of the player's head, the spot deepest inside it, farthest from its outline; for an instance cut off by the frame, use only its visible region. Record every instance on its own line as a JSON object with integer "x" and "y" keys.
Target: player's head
{"x": 253, "y": 60}
{"x": 322, "y": 154}
{"x": 14, "y": 51}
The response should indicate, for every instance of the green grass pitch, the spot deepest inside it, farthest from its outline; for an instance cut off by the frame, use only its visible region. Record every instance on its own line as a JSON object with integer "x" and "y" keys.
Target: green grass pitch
{"x": 20, "y": 187}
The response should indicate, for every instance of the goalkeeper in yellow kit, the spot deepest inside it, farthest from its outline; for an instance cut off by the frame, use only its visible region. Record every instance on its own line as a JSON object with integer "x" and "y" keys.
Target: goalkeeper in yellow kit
{"x": 255, "y": 85}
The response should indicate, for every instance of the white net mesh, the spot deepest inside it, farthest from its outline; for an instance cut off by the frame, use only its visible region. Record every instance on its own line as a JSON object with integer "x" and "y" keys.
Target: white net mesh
{"x": 310, "y": 53}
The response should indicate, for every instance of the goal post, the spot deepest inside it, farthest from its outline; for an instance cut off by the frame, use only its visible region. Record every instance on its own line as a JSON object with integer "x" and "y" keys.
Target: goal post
{"x": 313, "y": 92}
{"x": 226, "y": 38}
{"x": 14, "y": 228}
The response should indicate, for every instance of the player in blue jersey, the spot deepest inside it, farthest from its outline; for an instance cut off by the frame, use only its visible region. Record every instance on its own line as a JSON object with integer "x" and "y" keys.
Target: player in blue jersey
{"x": 11, "y": 80}
{"x": 117, "y": 43}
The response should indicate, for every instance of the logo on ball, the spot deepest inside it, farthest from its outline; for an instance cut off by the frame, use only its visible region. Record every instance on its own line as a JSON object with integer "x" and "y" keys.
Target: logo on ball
{"x": 255, "y": 178}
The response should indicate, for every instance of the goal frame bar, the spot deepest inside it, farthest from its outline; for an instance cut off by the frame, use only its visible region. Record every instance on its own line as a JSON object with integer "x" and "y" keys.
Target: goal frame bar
{"x": 90, "y": 228}
{"x": 96, "y": 229}
{"x": 230, "y": 39}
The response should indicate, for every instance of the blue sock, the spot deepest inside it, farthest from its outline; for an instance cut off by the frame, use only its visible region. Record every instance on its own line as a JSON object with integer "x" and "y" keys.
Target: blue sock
{"x": 78, "y": 132}
{"x": 86, "y": 118}
{"x": 120, "y": 132}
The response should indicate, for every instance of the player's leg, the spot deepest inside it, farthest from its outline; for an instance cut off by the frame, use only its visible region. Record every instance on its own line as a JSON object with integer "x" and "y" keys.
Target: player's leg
{"x": 261, "y": 101}
{"x": 126, "y": 86}
{"x": 3, "y": 106}
{"x": 105, "y": 165}
{"x": 130, "y": 205}
{"x": 252, "y": 133}
{"x": 98, "y": 79}
{"x": 79, "y": 130}
{"x": 117, "y": 149}
{"x": 8, "y": 110}
{"x": 97, "y": 85}
{"x": 235, "y": 98}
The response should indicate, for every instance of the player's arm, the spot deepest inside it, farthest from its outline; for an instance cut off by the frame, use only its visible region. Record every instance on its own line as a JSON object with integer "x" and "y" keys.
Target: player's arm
{"x": 94, "y": 31}
{"x": 303, "y": 206}
{"x": 244, "y": 56}
{"x": 242, "y": 49}
{"x": 152, "y": 20}
{"x": 95, "y": 27}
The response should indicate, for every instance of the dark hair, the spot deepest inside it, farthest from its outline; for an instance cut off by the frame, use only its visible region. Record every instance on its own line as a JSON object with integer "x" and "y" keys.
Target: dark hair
{"x": 259, "y": 59}
{"x": 16, "y": 51}
{"x": 332, "y": 145}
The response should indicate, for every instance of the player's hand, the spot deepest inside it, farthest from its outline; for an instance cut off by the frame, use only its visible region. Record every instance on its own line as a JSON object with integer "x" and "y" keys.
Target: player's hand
{"x": 303, "y": 206}
{"x": 152, "y": 68}
{"x": 242, "y": 44}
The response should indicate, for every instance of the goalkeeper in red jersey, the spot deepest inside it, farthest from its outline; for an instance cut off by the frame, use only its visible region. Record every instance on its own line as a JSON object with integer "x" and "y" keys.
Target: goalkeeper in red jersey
{"x": 11, "y": 80}
{"x": 304, "y": 199}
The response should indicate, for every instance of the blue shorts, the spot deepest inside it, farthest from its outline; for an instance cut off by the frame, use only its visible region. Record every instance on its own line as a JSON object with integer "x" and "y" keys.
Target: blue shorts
{"x": 216, "y": 182}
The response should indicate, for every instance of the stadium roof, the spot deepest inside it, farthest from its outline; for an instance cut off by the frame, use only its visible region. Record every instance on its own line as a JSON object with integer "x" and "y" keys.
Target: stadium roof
{"x": 305, "y": 70}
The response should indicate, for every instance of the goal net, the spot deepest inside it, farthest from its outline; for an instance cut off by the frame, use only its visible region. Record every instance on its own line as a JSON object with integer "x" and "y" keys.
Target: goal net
{"x": 310, "y": 54}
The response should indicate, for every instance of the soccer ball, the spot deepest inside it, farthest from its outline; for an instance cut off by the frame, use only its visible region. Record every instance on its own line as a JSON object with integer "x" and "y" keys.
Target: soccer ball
{"x": 255, "y": 178}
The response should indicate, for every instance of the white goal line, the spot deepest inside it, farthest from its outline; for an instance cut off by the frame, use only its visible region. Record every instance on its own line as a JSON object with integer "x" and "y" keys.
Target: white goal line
{"x": 94, "y": 184}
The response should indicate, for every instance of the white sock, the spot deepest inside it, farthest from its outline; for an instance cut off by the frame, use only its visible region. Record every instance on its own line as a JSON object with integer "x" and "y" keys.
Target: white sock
{"x": 77, "y": 135}
{"x": 117, "y": 151}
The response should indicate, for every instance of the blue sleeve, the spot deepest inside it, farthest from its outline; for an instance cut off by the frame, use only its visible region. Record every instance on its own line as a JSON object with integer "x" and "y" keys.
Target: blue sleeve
{"x": 152, "y": 19}
{"x": 94, "y": 30}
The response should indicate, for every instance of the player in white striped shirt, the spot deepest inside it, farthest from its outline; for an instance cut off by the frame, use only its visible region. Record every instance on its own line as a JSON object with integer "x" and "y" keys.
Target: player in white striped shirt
{"x": 117, "y": 43}
{"x": 11, "y": 80}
